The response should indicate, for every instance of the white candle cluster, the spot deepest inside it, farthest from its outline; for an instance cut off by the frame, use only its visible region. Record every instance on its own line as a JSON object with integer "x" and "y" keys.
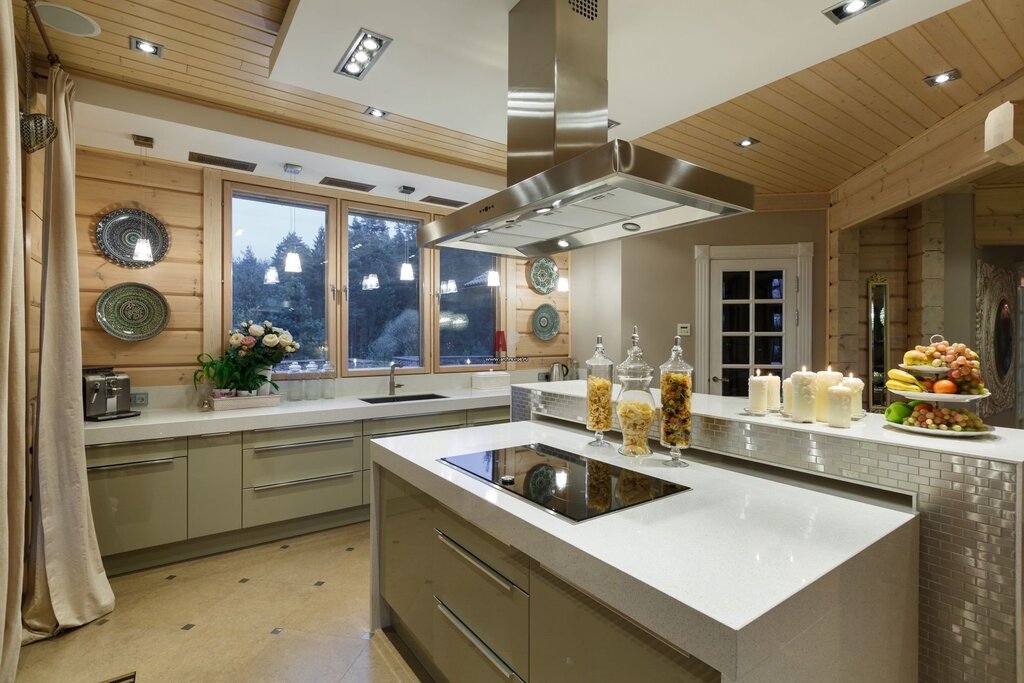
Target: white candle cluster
{"x": 808, "y": 396}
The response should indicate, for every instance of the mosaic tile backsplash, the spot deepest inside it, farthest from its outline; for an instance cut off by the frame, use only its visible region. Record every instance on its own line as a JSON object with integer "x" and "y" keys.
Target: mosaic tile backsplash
{"x": 970, "y": 528}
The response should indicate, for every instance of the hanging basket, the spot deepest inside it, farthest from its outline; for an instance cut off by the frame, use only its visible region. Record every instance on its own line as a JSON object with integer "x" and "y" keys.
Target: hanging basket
{"x": 37, "y": 131}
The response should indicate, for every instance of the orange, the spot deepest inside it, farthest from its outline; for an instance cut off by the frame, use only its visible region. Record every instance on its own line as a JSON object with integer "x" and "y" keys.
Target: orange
{"x": 944, "y": 386}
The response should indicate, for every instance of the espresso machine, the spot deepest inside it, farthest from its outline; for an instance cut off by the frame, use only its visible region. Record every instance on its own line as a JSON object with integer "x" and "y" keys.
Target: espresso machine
{"x": 106, "y": 394}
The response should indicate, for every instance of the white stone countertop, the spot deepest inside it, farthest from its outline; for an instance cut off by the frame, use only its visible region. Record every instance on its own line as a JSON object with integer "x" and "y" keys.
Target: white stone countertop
{"x": 172, "y": 422}
{"x": 697, "y": 567}
{"x": 1004, "y": 444}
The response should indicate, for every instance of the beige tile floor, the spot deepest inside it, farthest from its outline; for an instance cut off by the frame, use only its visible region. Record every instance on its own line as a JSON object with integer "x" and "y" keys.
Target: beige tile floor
{"x": 234, "y": 602}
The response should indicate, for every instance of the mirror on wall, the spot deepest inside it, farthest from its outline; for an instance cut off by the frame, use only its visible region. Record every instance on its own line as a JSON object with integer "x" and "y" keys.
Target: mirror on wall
{"x": 878, "y": 340}
{"x": 1003, "y": 341}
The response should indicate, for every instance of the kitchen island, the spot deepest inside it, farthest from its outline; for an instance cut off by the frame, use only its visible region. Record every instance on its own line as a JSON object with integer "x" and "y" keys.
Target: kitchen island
{"x": 741, "y": 578}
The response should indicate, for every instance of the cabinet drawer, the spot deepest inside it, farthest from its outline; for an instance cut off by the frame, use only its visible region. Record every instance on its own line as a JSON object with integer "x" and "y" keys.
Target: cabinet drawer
{"x": 214, "y": 483}
{"x": 461, "y": 655}
{"x": 277, "y": 436}
{"x": 476, "y": 416}
{"x": 139, "y": 504}
{"x": 415, "y": 423}
{"x": 278, "y": 502}
{"x": 291, "y": 462}
{"x": 135, "y": 451}
{"x": 489, "y": 604}
{"x": 506, "y": 560}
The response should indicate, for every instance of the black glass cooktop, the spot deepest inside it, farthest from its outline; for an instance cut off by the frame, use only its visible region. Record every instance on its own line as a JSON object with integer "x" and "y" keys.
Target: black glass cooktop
{"x": 564, "y": 483}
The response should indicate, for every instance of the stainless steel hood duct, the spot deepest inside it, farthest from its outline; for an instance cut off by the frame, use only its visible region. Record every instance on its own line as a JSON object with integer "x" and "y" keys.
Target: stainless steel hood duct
{"x": 569, "y": 188}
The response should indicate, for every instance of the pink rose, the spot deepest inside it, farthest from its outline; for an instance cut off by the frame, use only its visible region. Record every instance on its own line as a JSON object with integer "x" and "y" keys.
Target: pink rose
{"x": 248, "y": 342}
{"x": 241, "y": 353}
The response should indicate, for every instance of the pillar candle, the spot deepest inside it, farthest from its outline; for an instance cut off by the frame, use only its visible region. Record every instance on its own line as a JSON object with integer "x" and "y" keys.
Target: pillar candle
{"x": 757, "y": 394}
{"x": 839, "y": 400}
{"x": 787, "y": 396}
{"x": 826, "y": 379}
{"x": 774, "y": 385}
{"x": 804, "y": 396}
{"x": 855, "y": 385}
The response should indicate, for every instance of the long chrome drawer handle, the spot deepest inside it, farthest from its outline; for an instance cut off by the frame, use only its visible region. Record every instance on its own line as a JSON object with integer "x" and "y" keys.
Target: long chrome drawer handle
{"x": 304, "y": 443}
{"x": 265, "y": 487}
{"x": 122, "y": 443}
{"x": 468, "y": 557}
{"x": 475, "y": 641}
{"x": 139, "y": 463}
{"x": 286, "y": 427}
{"x": 207, "y": 436}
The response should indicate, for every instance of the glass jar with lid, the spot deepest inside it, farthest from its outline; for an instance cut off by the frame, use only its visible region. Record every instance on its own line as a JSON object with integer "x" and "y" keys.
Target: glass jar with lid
{"x": 636, "y": 405}
{"x": 599, "y": 394}
{"x": 311, "y": 383}
{"x": 294, "y": 381}
{"x": 676, "y": 404}
{"x": 327, "y": 381}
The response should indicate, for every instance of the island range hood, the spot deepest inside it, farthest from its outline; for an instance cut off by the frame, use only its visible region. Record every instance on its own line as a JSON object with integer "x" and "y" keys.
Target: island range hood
{"x": 569, "y": 187}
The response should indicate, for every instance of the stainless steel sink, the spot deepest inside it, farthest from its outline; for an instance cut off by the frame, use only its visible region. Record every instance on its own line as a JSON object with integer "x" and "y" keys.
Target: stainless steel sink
{"x": 401, "y": 399}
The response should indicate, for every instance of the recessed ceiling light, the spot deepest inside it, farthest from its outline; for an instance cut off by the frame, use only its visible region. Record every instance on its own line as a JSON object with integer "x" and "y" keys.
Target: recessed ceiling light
{"x": 67, "y": 20}
{"x": 362, "y": 53}
{"x": 376, "y": 113}
{"x": 543, "y": 210}
{"x": 747, "y": 142}
{"x": 944, "y": 77}
{"x": 630, "y": 227}
{"x": 480, "y": 231}
{"x": 612, "y": 124}
{"x": 847, "y": 9}
{"x": 145, "y": 46}
{"x": 563, "y": 243}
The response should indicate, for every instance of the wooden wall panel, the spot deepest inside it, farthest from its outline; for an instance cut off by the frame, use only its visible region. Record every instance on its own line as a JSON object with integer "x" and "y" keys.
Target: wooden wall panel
{"x": 541, "y": 354}
{"x": 174, "y": 194}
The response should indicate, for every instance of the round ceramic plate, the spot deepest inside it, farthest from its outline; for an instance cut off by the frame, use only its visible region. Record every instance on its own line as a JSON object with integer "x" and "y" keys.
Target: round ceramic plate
{"x": 939, "y": 398}
{"x": 924, "y": 369}
{"x": 939, "y": 432}
{"x": 119, "y": 231}
{"x": 543, "y": 275}
{"x": 132, "y": 311}
{"x": 545, "y": 322}
{"x": 540, "y": 483}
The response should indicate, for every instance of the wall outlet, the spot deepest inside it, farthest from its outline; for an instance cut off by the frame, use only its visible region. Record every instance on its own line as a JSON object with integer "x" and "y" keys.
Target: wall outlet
{"x": 683, "y": 329}
{"x": 139, "y": 399}
{"x": 543, "y": 376}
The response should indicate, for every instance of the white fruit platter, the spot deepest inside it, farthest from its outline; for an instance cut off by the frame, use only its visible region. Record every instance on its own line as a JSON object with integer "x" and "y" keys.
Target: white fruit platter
{"x": 934, "y": 398}
{"x": 941, "y": 432}
{"x": 925, "y": 369}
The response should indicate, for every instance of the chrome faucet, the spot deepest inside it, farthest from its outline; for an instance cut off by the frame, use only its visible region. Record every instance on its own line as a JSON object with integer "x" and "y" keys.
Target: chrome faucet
{"x": 391, "y": 379}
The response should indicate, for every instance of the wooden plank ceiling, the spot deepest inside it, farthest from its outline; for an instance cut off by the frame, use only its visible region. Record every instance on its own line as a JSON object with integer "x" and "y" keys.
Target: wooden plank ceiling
{"x": 817, "y": 127}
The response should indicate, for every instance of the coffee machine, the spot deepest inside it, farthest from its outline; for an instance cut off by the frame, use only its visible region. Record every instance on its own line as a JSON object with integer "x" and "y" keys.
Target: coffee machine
{"x": 106, "y": 394}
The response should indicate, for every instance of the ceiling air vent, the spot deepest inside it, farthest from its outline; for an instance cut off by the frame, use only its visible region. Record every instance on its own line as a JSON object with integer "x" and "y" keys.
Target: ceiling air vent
{"x": 211, "y": 160}
{"x": 346, "y": 184}
{"x": 441, "y": 201}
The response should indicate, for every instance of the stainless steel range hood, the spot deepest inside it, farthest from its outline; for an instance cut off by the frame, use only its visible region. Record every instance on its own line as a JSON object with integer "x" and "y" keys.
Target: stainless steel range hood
{"x": 569, "y": 188}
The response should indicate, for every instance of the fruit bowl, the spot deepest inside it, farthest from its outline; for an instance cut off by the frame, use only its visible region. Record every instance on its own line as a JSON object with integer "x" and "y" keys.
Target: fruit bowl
{"x": 939, "y": 398}
{"x": 923, "y": 370}
{"x": 939, "y": 432}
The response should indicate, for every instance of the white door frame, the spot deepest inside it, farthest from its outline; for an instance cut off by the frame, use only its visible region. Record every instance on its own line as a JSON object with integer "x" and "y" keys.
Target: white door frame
{"x": 703, "y": 254}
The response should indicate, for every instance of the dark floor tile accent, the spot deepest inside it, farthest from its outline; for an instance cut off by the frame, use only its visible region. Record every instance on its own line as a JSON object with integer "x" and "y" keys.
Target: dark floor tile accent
{"x": 348, "y": 550}
{"x": 102, "y": 621}
{"x": 126, "y": 678}
{"x": 170, "y": 577}
{"x": 319, "y": 583}
{"x": 284, "y": 546}
{"x": 188, "y": 627}
{"x": 243, "y": 581}
{"x": 277, "y": 631}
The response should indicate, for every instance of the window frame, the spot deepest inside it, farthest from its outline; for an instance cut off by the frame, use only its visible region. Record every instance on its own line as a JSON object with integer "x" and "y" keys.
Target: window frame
{"x": 331, "y": 248}
{"x": 426, "y": 278}
{"x": 435, "y": 296}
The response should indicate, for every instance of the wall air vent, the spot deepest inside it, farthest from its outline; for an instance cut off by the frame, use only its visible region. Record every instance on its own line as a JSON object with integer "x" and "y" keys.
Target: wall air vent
{"x": 346, "y": 184}
{"x": 142, "y": 141}
{"x": 441, "y": 201}
{"x": 585, "y": 8}
{"x": 211, "y": 160}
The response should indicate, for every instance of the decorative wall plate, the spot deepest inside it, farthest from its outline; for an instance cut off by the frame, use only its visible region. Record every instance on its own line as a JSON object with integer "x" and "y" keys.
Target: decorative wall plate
{"x": 545, "y": 322}
{"x": 543, "y": 275}
{"x": 132, "y": 311}
{"x": 119, "y": 231}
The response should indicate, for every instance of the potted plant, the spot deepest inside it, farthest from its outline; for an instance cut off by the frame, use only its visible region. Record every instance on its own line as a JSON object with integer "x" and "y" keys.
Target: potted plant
{"x": 247, "y": 364}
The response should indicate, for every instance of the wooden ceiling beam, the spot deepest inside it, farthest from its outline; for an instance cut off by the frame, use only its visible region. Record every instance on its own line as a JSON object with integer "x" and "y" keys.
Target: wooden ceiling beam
{"x": 1004, "y": 133}
{"x": 950, "y": 153}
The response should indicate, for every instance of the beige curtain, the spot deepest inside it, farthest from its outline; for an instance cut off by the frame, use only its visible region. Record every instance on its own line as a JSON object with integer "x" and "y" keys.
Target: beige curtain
{"x": 65, "y": 584}
{"x": 13, "y": 391}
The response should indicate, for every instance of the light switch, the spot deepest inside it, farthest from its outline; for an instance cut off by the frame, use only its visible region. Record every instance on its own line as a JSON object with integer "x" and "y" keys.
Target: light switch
{"x": 683, "y": 329}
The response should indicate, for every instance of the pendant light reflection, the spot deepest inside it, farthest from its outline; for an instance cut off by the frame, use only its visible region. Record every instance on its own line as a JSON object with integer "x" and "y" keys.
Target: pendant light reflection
{"x": 143, "y": 251}
{"x": 292, "y": 264}
{"x": 271, "y": 277}
{"x": 563, "y": 284}
{"x": 449, "y": 287}
{"x": 493, "y": 279}
{"x": 406, "y": 273}
{"x": 371, "y": 281}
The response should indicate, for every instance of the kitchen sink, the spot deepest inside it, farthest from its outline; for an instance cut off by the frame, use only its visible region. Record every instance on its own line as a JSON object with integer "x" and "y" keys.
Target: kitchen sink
{"x": 401, "y": 399}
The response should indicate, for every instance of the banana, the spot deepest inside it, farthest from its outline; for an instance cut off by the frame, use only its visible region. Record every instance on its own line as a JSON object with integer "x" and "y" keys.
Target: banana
{"x": 902, "y": 386}
{"x": 902, "y": 376}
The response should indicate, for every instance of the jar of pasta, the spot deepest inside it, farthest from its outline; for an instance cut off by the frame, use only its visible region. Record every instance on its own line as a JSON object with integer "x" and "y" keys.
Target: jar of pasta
{"x": 599, "y": 394}
{"x": 636, "y": 405}
{"x": 676, "y": 400}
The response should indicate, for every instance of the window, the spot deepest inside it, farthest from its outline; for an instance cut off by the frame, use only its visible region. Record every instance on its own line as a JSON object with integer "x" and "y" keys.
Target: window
{"x": 279, "y": 245}
{"x": 384, "y": 316}
{"x": 468, "y": 308}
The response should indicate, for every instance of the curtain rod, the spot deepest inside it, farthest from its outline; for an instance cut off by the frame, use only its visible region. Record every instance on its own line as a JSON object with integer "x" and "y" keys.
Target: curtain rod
{"x": 50, "y": 53}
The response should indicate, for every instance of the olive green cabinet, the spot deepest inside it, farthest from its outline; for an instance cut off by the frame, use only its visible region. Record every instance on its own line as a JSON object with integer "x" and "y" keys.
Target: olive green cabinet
{"x": 214, "y": 476}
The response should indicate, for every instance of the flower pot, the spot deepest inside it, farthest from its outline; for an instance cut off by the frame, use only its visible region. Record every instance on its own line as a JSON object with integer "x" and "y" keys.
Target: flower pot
{"x": 222, "y": 393}
{"x": 241, "y": 392}
{"x": 266, "y": 388}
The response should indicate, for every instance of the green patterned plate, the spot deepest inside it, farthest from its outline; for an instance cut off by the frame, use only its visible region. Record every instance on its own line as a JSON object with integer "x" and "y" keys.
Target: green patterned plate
{"x": 132, "y": 311}
{"x": 543, "y": 275}
{"x": 545, "y": 322}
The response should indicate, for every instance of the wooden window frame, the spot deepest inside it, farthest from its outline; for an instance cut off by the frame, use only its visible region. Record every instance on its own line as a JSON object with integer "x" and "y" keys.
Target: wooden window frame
{"x": 331, "y": 248}
{"x": 435, "y": 296}
{"x": 426, "y": 278}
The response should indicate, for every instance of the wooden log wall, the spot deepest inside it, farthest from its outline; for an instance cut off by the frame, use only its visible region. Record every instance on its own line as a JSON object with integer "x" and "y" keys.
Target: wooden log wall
{"x": 174, "y": 194}
{"x": 541, "y": 353}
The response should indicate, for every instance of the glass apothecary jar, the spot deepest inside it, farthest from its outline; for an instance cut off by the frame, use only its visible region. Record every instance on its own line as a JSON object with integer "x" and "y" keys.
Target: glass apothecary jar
{"x": 599, "y": 394}
{"x": 676, "y": 403}
{"x": 636, "y": 405}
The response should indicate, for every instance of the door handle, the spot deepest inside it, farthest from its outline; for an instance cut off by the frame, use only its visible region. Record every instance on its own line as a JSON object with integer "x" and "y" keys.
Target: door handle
{"x": 720, "y": 379}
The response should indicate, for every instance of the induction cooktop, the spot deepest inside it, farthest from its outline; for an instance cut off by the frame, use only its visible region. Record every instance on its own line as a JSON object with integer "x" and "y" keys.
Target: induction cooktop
{"x": 561, "y": 482}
